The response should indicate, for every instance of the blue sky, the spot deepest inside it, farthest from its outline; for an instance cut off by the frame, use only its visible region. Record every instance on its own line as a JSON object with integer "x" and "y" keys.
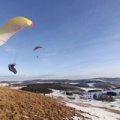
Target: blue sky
{"x": 81, "y": 39}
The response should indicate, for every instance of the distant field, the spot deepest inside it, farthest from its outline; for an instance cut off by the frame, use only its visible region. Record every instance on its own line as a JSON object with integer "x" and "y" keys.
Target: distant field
{"x": 45, "y": 88}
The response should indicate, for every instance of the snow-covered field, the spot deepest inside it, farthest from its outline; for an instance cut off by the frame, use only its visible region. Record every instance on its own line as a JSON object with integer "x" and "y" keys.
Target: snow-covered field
{"x": 87, "y": 89}
{"x": 89, "y": 108}
{"x": 4, "y": 84}
{"x": 17, "y": 88}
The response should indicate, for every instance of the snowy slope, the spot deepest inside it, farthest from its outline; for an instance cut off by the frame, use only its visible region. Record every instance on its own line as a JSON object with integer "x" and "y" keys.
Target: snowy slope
{"x": 90, "y": 109}
{"x": 4, "y": 84}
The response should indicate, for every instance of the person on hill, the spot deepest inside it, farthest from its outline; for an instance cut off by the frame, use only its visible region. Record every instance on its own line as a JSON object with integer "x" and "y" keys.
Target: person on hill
{"x": 11, "y": 68}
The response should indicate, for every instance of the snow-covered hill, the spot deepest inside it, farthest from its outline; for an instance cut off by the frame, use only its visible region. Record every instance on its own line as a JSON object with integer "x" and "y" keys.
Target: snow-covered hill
{"x": 90, "y": 109}
{"x": 4, "y": 84}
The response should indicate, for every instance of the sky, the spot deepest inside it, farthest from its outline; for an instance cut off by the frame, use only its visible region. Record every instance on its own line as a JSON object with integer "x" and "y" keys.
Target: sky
{"x": 81, "y": 39}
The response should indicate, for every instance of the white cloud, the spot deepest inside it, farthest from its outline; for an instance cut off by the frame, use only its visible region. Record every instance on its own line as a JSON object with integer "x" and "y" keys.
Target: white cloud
{"x": 50, "y": 54}
{"x": 10, "y": 50}
{"x": 25, "y": 77}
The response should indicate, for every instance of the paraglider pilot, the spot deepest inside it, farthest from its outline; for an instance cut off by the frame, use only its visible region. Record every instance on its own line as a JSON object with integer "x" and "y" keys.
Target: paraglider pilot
{"x": 11, "y": 68}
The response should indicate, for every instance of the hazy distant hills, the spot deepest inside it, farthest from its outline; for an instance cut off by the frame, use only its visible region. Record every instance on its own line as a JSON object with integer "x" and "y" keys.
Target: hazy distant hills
{"x": 104, "y": 83}
{"x": 114, "y": 80}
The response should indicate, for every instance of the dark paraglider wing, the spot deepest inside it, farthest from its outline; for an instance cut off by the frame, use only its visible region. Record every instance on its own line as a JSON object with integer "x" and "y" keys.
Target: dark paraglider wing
{"x": 37, "y": 47}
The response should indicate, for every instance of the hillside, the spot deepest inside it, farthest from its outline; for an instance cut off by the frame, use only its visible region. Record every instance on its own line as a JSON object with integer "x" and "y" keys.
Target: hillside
{"x": 22, "y": 105}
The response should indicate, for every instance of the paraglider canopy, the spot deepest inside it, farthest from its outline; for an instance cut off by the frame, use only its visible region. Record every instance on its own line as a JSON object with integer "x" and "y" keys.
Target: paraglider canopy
{"x": 37, "y": 47}
{"x": 12, "y": 26}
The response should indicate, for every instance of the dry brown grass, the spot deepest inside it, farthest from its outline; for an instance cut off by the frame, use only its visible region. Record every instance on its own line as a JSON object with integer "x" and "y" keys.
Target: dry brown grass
{"x": 21, "y": 105}
{"x": 111, "y": 110}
